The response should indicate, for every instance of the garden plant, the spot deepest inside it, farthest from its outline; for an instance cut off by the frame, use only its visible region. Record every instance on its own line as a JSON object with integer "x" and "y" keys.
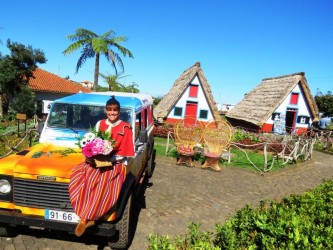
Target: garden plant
{"x": 295, "y": 222}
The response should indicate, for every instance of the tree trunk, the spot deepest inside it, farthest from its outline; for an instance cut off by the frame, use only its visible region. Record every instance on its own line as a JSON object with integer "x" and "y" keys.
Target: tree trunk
{"x": 96, "y": 72}
{"x": 1, "y": 111}
{"x": 4, "y": 105}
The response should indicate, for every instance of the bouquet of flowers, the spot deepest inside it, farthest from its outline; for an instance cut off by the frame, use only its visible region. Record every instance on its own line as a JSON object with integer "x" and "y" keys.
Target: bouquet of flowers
{"x": 96, "y": 147}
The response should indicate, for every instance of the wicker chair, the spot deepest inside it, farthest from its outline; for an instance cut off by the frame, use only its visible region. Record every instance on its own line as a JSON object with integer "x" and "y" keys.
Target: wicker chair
{"x": 187, "y": 136}
{"x": 217, "y": 136}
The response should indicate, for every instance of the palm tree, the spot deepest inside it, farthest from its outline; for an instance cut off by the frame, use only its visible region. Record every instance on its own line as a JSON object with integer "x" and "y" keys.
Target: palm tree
{"x": 115, "y": 85}
{"x": 94, "y": 45}
{"x": 112, "y": 81}
{"x": 132, "y": 88}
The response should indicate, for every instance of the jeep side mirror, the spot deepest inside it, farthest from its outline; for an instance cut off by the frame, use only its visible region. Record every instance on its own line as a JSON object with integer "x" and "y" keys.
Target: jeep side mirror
{"x": 143, "y": 136}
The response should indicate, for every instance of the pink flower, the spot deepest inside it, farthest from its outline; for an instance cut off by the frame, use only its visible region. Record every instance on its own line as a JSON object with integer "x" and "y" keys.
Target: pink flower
{"x": 97, "y": 146}
{"x": 107, "y": 148}
{"x": 87, "y": 150}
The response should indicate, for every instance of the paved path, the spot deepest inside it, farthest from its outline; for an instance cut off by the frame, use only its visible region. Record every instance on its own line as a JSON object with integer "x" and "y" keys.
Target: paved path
{"x": 177, "y": 195}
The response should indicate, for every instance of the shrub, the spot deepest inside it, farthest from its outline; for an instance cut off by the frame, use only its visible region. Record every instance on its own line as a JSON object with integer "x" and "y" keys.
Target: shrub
{"x": 194, "y": 239}
{"x": 163, "y": 130}
{"x": 296, "y": 222}
{"x": 247, "y": 138}
{"x": 24, "y": 102}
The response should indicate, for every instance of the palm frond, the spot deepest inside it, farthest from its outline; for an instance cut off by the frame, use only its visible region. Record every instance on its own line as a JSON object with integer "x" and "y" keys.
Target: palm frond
{"x": 81, "y": 34}
{"x": 123, "y": 50}
{"x": 119, "y": 39}
{"x": 99, "y": 45}
{"x": 73, "y": 47}
{"x": 107, "y": 34}
{"x": 111, "y": 58}
{"x": 109, "y": 55}
{"x": 119, "y": 61}
{"x": 86, "y": 53}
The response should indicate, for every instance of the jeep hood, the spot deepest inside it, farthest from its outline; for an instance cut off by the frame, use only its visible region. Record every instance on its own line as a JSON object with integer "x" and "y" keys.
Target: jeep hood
{"x": 42, "y": 160}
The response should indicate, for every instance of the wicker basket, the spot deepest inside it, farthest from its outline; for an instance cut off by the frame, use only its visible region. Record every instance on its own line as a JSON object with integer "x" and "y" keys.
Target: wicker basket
{"x": 100, "y": 161}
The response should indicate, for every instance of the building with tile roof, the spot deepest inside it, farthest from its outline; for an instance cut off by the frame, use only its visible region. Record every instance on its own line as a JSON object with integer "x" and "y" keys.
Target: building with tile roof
{"x": 48, "y": 87}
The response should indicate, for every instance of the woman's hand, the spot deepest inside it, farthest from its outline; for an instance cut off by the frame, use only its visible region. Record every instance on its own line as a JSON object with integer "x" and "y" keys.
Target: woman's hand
{"x": 90, "y": 160}
{"x": 103, "y": 158}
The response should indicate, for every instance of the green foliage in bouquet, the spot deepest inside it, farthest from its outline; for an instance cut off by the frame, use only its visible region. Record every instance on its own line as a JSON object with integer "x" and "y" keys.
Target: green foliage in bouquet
{"x": 92, "y": 134}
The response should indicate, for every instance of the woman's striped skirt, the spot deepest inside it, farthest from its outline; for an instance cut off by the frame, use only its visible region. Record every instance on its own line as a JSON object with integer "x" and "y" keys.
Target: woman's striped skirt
{"x": 93, "y": 191}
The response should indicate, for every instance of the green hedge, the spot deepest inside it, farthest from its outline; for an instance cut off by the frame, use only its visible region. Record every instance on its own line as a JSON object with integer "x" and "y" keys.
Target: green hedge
{"x": 296, "y": 222}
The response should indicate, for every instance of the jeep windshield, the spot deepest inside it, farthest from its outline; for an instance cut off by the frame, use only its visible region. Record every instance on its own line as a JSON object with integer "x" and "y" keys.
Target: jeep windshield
{"x": 80, "y": 117}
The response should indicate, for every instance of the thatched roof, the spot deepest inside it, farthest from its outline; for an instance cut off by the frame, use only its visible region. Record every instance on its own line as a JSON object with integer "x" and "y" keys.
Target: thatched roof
{"x": 168, "y": 101}
{"x": 258, "y": 105}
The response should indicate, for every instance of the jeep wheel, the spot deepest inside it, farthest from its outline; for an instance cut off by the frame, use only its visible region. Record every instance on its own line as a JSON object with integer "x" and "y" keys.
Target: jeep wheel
{"x": 151, "y": 164}
{"x": 7, "y": 231}
{"x": 123, "y": 226}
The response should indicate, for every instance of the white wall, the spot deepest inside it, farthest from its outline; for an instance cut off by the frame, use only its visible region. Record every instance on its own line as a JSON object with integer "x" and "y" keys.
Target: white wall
{"x": 201, "y": 100}
{"x": 46, "y": 104}
{"x": 302, "y": 109}
{"x": 225, "y": 107}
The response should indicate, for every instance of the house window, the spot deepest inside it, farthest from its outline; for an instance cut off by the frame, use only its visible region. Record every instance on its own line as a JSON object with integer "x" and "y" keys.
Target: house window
{"x": 294, "y": 99}
{"x": 203, "y": 114}
{"x": 178, "y": 111}
{"x": 193, "y": 91}
{"x": 303, "y": 119}
{"x": 276, "y": 116}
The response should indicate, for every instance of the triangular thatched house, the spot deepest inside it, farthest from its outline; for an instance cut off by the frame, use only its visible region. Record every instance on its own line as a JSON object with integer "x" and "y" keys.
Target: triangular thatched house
{"x": 190, "y": 96}
{"x": 280, "y": 104}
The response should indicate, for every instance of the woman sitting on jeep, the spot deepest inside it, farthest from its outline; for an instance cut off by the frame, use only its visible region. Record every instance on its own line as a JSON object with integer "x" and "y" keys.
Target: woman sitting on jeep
{"x": 94, "y": 190}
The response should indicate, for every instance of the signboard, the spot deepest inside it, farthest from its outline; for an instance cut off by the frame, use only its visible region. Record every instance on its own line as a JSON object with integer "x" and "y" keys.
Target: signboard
{"x": 21, "y": 117}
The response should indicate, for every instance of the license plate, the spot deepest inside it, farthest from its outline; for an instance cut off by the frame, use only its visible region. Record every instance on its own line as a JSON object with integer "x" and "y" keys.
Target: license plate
{"x": 61, "y": 216}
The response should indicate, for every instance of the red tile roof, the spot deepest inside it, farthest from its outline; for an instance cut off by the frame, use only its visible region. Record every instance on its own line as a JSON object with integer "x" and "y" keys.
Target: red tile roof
{"x": 47, "y": 82}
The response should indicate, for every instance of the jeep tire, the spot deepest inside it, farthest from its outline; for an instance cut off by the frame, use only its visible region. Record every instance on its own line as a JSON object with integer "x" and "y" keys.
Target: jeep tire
{"x": 124, "y": 227}
{"x": 7, "y": 231}
{"x": 150, "y": 164}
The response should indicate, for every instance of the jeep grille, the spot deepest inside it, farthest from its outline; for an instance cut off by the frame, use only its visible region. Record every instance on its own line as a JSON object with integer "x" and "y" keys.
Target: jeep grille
{"x": 42, "y": 194}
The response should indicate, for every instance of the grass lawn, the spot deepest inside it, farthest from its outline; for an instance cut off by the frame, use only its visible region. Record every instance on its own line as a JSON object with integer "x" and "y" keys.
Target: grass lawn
{"x": 238, "y": 157}
{"x": 320, "y": 147}
{"x": 251, "y": 160}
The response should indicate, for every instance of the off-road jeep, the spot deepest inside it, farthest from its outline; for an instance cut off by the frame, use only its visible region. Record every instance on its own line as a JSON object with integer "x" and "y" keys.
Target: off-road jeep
{"x": 34, "y": 182}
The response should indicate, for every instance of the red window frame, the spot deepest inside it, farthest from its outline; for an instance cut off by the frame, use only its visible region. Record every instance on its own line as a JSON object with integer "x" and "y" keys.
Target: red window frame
{"x": 294, "y": 98}
{"x": 193, "y": 91}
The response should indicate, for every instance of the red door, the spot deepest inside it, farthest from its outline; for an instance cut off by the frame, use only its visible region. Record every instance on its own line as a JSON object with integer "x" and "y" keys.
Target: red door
{"x": 190, "y": 113}
{"x": 290, "y": 120}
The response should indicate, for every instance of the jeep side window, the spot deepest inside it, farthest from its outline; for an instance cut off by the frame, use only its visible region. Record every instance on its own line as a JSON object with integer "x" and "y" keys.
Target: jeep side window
{"x": 150, "y": 115}
{"x": 144, "y": 119}
{"x": 58, "y": 116}
{"x": 138, "y": 125}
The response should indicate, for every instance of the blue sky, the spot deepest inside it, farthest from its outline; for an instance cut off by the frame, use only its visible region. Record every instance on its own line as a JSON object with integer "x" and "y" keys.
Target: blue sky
{"x": 238, "y": 43}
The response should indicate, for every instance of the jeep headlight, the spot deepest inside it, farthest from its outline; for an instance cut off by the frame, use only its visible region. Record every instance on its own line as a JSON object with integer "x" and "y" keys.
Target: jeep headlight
{"x": 5, "y": 186}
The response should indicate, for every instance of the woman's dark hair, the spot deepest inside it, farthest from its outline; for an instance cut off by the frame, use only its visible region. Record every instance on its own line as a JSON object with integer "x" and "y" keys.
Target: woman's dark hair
{"x": 113, "y": 101}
